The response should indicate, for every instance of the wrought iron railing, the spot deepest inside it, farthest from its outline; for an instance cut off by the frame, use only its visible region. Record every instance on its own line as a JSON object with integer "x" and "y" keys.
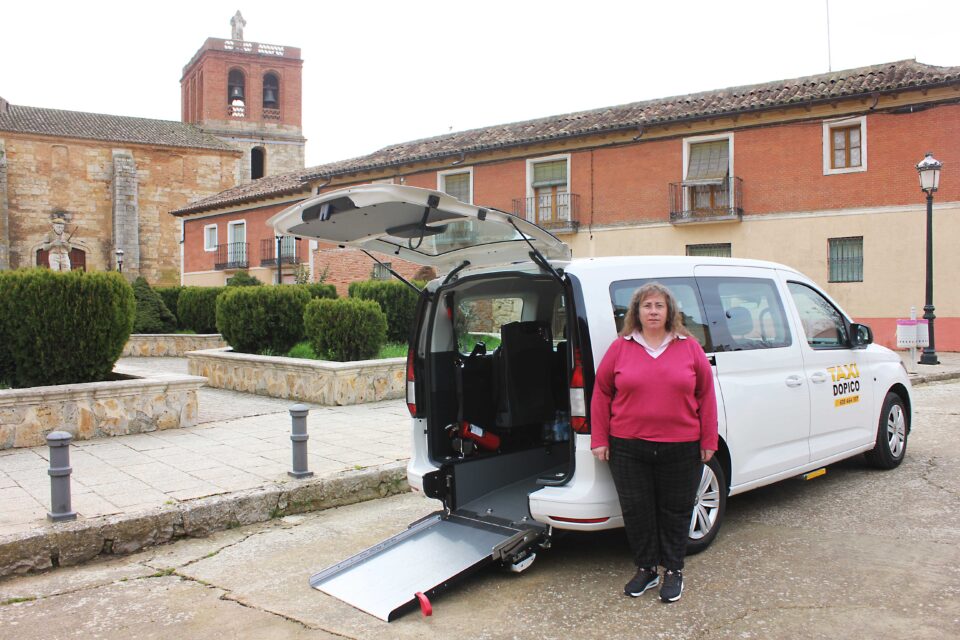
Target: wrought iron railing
{"x": 706, "y": 200}
{"x": 232, "y": 255}
{"x": 289, "y": 251}
{"x": 560, "y": 211}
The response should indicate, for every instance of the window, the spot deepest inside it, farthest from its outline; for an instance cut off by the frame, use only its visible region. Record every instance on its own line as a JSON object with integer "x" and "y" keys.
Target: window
{"x": 210, "y": 237}
{"x": 846, "y": 259}
{"x": 458, "y": 184}
{"x": 707, "y": 167}
{"x": 688, "y": 300}
{"x": 237, "y": 243}
{"x": 823, "y": 325}
{"x": 718, "y": 250}
{"x": 271, "y": 93}
{"x": 845, "y": 145}
{"x": 744, "y": 313}
{"x": 258, "y": 162}
{"x": 380, "y": 271}
{"x": 236, "y": 90}
{"x": 548, "y": 194}
{"x": 479, "y": 320}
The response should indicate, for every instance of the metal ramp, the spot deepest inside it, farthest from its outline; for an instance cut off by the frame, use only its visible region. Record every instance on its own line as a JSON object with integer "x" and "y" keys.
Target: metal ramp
{"x": 385, "y": 579}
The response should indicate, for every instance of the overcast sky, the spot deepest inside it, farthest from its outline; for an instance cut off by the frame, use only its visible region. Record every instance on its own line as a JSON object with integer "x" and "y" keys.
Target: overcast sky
{"x": 377, "y": 73}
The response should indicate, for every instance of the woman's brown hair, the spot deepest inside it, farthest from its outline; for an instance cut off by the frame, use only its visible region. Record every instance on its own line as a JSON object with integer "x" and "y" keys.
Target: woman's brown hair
{"x": 674, "y": 322}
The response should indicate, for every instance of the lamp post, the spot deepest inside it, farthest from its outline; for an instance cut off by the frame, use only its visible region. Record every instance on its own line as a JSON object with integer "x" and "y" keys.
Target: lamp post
{"x": 929, "y": 170}
{"x": 119, "y": 254}
{"x": 279, "y": 259}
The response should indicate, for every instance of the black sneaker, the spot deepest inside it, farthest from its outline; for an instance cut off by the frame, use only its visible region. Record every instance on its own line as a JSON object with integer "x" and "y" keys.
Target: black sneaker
{"x": 672, "y": 586}
{"x": 646, "y": 578}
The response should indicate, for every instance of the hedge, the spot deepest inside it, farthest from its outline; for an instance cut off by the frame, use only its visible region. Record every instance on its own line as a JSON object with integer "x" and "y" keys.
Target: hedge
{"x": 243, "y": 279}
{"x": 197, "y": 308}
{"x": 262, "y": 319}
{"x": 397, "y": 300}
{"x": 170, "y": 296}
{"x": 345, "y": 329}
{"x": 320, "y": 290}
{"x": 62, "y": 327}
{"x": 152, "y": 316}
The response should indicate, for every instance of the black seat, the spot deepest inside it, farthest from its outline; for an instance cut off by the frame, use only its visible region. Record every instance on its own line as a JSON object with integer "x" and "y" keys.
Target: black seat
{"x": 523, "y": 374}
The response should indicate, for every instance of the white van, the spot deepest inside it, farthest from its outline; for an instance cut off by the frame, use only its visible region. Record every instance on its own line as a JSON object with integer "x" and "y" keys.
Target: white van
{"x": 501, "y": 367}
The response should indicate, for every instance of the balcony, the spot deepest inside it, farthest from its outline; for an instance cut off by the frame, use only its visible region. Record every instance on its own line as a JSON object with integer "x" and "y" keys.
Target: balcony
{"x": 706, "y": 201}
{"x": 233, "y": 255}
{"x": 289, "y": 251}
{"x": 559, "y": 213}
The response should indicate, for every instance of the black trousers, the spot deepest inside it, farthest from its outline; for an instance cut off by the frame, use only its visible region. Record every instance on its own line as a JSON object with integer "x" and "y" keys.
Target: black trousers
{"x": 657, "y": 485}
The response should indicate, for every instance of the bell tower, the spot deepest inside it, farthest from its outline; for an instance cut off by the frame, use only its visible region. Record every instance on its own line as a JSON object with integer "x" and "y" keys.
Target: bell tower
{"x": 249, "y": 95}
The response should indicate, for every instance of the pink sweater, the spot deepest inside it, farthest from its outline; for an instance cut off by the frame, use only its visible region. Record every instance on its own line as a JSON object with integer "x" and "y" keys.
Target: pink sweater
{"x": 664, "y": 399}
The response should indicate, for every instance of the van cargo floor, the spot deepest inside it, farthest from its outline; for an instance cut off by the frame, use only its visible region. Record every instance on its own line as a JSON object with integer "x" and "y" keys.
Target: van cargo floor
{"x": 508, "y": 503}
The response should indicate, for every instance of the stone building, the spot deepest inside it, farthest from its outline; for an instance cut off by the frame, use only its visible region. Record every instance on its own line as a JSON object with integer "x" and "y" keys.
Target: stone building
{"x": 816, "y": 172}
{"x": 114, "y": 179}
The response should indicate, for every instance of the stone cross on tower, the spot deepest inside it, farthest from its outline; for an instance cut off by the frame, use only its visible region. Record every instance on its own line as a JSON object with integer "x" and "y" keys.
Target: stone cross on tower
{"x": 237, "y": 23}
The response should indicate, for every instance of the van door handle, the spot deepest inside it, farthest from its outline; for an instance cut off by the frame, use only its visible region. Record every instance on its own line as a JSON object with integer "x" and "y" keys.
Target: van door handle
{"x": 794, "y": 381}
{"x": 818, "y": 377}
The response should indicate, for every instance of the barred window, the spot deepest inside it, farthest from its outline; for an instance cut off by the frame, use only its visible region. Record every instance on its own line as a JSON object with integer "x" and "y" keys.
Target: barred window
{"x": 717, "y": 250}
{"x": 846, "y": 259}
{"x": 380, "y": 270}
{"x": 458, "y": 186}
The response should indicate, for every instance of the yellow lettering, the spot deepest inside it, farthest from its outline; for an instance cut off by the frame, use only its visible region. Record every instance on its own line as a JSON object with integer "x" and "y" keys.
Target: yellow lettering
{"x": 833, "y": 373}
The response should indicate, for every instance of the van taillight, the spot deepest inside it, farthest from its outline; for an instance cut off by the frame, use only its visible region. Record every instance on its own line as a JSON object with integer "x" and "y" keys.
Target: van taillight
{"x": 411, "y": 386}
{"x": 578, "y": 401}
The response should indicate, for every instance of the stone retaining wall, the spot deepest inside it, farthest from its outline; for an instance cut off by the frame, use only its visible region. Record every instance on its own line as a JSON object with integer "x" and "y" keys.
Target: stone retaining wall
{"x": 170, "y": 344}
{"x": 97, "y": 409}
{"x": 318, "y": 381}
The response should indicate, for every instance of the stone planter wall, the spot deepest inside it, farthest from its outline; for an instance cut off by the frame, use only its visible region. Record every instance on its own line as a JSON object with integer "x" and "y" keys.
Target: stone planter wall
{"x": 170, "y": 344}
{"x": 318, "y": 381}
{"x": 97, "y": 409}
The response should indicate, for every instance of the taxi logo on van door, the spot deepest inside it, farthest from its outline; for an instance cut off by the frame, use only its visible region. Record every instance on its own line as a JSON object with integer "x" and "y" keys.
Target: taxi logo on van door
{"x": 846, "y": 384}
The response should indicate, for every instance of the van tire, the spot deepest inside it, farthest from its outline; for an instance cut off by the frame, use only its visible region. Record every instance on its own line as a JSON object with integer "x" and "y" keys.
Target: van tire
{"x": 709, "y": 508}
{"x": 892, "y": 432}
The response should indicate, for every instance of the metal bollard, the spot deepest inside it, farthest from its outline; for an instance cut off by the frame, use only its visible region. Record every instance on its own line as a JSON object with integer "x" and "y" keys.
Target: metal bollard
{"x": 59, "y": 471}
{"x": 299, "y": 437}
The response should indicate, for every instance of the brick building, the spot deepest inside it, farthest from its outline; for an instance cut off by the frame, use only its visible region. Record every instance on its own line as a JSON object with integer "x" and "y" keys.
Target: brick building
{"x": 815, "y": 172}
{"x": 114, "y": 179}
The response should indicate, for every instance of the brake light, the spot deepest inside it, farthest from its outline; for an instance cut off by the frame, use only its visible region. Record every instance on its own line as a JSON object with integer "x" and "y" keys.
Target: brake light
{"x": 411, "y": 386}
{"x": 578, "y": 400}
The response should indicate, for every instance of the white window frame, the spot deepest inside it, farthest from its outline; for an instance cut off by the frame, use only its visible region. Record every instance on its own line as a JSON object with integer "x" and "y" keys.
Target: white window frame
{"x": 533, "y": 161}
{"x": 206, "y": 246}
{"x": 441, "y": 176}
{"x": 231, "y": 234}
{"x": 689, "y": 142}
{"x": 828, "y": 126}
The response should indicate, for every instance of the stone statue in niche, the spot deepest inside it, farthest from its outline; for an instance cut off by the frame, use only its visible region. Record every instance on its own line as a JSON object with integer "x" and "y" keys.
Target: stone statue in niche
{"x": 237, "y": 23}
{"x": 58, "y": 244}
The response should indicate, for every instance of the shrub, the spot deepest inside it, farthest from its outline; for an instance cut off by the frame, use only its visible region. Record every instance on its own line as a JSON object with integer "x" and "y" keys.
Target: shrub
{"x": 197, "y": 308}
{"x": 346, "y": 328}
{"x": 320, "y": 290}
{"x": 152, "y": 314}
{"x": 257, "y": 319}
{"x": 397, "y": 300}
{"x": 62, "y": 328}
{"x": 169, "y": 295}
{"x": 242, "y": 279}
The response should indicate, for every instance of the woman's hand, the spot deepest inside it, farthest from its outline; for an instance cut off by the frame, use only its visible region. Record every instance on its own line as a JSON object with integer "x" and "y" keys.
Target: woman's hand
{"x": 705, "y": 455}
{"x": 602, "y": 453}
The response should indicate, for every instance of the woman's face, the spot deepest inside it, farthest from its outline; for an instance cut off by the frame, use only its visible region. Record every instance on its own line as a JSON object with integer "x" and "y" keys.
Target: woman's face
{"x": 653, "y": 312}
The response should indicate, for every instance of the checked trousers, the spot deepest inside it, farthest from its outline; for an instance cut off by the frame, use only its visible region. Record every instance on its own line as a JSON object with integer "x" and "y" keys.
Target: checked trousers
{"x": 657, "y": 485}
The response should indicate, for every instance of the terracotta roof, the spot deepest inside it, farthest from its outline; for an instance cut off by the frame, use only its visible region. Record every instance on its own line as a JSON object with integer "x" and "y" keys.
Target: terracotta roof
{"x": 863, "y": 81}
{"x": 101, "y": 126}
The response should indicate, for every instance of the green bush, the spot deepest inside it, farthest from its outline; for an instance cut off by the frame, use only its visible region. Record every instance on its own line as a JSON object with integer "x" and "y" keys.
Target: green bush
{"x": 321, "y": 290}
{"x": 169, "y": 295}
{"x": 242, "y": 279}
{"x": 152, "y": 314}
{"x": 398, "y": 301}
{"x": 345, "y": 329}
{"x": 62, "y": 328}
{"x": 197, "y": 308}
{"x": 257, "y": 319}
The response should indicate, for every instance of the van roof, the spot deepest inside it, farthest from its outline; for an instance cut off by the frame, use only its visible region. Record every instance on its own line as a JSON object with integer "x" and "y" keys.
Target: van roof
{"x": 581, "y": 265}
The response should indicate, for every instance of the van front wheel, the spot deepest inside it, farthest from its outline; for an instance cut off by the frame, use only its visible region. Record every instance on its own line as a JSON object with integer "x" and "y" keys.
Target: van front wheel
{"x": 709, "y": 507}
{"x": 892, "y": 433}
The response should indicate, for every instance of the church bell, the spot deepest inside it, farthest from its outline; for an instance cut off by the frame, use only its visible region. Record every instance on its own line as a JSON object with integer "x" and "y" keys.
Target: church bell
{"x": 269, "y": 97}
{"x": 236, "y": 92}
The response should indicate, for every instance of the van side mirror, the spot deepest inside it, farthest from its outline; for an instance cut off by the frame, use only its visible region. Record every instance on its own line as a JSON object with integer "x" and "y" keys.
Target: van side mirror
{"x": 860, "y": 335}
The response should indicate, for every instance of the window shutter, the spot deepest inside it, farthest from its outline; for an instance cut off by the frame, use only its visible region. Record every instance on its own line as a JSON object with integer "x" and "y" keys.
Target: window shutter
{"x": 548, "y": 174}
{"x": 709, "y": 161}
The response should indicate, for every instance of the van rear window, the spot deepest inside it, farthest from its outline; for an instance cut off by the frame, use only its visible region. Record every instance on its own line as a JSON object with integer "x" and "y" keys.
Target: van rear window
{"x": 683, "y": 289}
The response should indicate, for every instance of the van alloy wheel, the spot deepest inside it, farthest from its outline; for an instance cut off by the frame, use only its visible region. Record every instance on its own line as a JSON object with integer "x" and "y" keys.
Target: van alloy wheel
{"x": 709, "y": 507}
{"x": 896, "y": 430}
{"x": 892, "y": 433}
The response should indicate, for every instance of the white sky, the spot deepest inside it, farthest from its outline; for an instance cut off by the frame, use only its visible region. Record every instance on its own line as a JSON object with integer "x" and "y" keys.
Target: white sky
{"x": 381, "y": 72}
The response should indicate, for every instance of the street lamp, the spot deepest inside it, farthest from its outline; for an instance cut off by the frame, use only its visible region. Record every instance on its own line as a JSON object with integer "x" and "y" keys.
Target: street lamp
{"x": 279, "y": 259}
{"x": 119, "y": 254}
{"x": 929, "y": 170}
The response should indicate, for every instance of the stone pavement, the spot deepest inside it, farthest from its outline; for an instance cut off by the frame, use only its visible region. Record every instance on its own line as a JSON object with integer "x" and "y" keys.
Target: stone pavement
{"x": 239, "y": 447}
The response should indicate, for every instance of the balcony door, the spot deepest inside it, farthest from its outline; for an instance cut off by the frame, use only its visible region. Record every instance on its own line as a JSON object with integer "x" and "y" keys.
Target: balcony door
{"x": 237, "y": 242}
{"x": 706, "y": 176}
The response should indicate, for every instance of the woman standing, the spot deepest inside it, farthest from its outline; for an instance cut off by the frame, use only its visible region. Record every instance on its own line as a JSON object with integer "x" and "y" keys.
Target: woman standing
{"x": 654, "y": 417}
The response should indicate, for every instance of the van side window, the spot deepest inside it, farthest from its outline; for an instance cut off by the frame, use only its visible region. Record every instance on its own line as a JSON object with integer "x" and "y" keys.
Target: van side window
{"x": 745, "y": 313}
{"x": 479, "y": 320}
{"x": 688, "y": 299}
{"x": 823, "y": 325}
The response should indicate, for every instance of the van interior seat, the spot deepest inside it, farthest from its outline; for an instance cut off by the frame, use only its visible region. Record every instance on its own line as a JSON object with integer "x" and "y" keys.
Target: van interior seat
{"x": 739, "y": 325}
{"x": 522, "y": 370}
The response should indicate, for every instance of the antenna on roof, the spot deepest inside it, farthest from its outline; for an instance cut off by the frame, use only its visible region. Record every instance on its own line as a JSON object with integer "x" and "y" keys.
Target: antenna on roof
{"x": 829, "y": 60}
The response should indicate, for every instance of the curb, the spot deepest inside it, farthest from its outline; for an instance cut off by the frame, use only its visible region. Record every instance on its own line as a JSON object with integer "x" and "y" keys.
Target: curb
{"x": 79, "y": 541}
{"x": 924, "y": 378}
